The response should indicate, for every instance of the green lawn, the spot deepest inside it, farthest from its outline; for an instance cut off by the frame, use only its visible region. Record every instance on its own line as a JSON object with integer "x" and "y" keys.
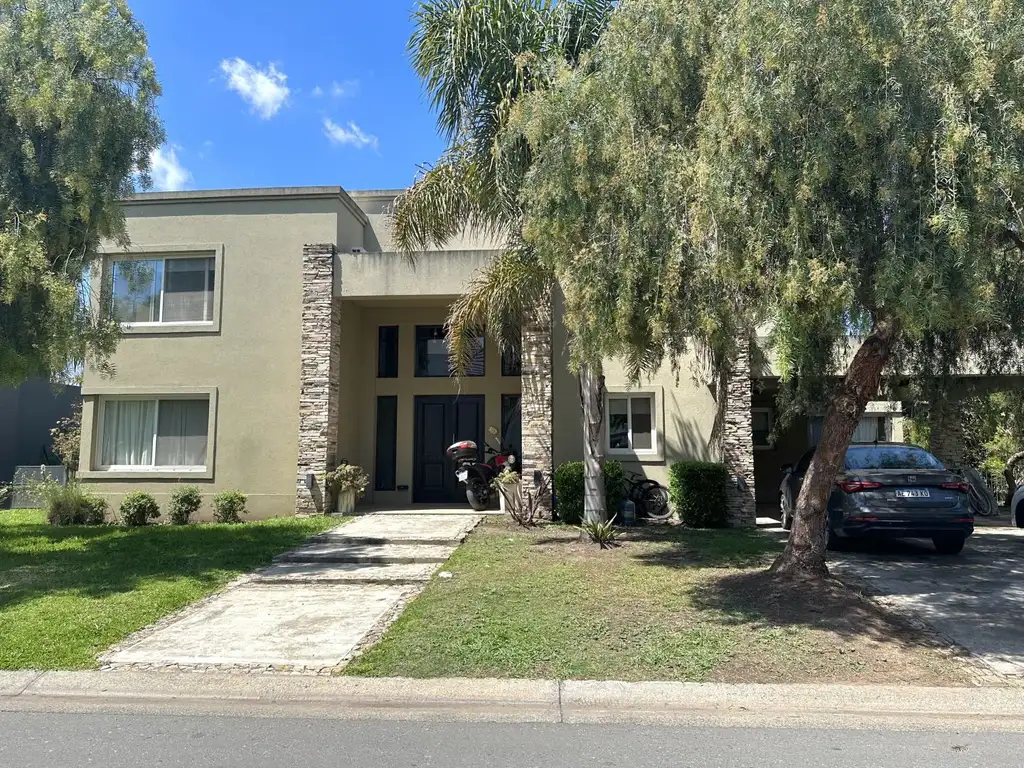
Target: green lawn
{"x": 669, "y": 604}
{"x": 66, "y": 594}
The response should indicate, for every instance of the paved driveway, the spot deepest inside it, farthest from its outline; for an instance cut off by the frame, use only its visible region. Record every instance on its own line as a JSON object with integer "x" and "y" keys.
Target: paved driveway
{"x": 975, "y": 599}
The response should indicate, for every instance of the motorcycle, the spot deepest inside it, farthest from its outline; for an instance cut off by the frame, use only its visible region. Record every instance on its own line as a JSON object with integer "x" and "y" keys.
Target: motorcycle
{"x": 479, "y": 475}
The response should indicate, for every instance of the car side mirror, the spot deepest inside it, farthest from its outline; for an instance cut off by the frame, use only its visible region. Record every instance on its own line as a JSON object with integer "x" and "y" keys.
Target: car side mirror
{"x": 787, "y": 468}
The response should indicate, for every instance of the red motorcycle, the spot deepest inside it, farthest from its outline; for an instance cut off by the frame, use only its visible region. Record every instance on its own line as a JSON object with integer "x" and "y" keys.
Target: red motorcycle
{"x": 479, "y": 476}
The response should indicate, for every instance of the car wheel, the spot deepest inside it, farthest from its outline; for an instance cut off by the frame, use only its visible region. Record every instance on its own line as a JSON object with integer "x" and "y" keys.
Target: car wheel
{"x": 949, "y": 545}
{"x": 785, "y": 515}
{"x": 1018, "y": 517}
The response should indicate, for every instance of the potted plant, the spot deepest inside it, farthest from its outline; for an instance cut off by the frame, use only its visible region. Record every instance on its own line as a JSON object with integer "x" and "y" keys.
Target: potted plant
{"x": 345, "y": 485}
{"x": 508, "y": 487}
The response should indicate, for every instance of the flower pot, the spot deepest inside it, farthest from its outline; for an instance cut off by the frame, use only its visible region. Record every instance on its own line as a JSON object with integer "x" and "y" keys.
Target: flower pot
{"x": 346, "y": 503}
{"x": 508, "y": 492}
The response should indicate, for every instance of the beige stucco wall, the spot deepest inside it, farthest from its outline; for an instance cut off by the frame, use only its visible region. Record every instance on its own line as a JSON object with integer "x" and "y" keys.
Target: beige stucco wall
{"x": 359, "y": 427}
{"x": 391, "y": 275}
{"x": 252, "y": 361}
{"x": 684, "y": 411}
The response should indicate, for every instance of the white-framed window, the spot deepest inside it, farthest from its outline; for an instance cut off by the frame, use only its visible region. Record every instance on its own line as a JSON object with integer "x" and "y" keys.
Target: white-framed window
{"x": 631, "y": 424}
{"x": 178, "y": 290}
{"x": 148, "y": 434}
{"x": 762, "y": 422}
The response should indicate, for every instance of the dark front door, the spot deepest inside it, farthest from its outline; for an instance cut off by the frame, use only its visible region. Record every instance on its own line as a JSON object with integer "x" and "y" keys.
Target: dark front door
{"x": 441, "y": 421}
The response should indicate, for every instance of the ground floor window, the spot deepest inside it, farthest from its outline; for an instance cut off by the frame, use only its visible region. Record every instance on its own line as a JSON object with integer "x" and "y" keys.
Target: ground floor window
{"x": 512, "y": 423}
{"x": 762, "y": 422}
{"x": 870, "y": 429}
{"x": 154, "y": 433}
{"x": 630, "y": 420}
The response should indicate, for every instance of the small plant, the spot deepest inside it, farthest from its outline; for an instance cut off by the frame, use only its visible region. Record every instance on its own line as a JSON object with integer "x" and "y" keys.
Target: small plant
{"x": 5, "y": 491}
{"x": 229, "y": 506}
{"x": 68, "y": 504}
{"x": 507, "y": 476}
{"x": 138, "y": 508}
{"x": 346, "y": 478}
{"x": 66, "y": 437}
{"x": 185, "y": 502}
{"x": 602, "y": 534}
{"x": 525, "y": 507}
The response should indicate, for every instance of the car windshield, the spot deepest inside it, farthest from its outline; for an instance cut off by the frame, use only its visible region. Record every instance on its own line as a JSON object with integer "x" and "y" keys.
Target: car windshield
{"x": 890, "y": 457}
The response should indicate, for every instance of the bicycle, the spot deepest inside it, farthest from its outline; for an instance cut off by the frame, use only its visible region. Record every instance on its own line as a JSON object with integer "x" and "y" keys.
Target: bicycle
{"x": 650, "y": 497}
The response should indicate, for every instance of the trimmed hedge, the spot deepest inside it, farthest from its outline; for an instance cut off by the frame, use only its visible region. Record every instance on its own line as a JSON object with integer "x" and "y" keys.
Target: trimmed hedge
{"x": 185, "y": 502}
{"x": 698, "y": 492}
{"x": 229, "y": 506}
{"x": 138, "y": 508}
{"x": 569, "y": 490}
{"x": 71, "y": 505}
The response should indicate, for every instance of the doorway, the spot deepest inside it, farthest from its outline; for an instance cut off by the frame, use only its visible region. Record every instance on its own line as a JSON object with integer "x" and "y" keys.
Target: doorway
{"x": 440, "y": 421}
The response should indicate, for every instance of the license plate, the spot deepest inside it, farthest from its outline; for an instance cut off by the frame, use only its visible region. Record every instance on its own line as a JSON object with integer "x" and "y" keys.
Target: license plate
{"x": 912, "y": 493}
{"x": 463, "y": 475}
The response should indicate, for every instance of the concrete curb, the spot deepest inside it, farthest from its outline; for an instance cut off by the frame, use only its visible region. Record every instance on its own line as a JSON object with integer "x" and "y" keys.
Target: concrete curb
{"x": 520, "y": 701}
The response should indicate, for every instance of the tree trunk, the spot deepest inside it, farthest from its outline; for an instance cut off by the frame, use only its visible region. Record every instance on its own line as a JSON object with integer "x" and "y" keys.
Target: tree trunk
{"x": 592, "y": 399}
{"x": 1011, "y": 476}
{"x": 804, "y": 555}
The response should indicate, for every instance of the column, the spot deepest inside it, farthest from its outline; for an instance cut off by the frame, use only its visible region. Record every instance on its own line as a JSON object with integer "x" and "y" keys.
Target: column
{"x": 738, "y": 439}
{"x": 319, "y": 377}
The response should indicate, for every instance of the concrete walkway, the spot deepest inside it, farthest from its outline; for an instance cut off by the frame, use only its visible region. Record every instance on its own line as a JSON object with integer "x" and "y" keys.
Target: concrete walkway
{"x": 313, "y": 608}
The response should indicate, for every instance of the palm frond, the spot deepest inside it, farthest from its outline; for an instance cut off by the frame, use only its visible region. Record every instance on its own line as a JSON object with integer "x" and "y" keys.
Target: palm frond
{"x": 497, "y": 301}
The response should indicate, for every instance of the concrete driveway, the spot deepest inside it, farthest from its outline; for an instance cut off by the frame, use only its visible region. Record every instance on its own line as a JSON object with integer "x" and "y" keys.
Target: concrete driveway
{"x": 975, "y": 599}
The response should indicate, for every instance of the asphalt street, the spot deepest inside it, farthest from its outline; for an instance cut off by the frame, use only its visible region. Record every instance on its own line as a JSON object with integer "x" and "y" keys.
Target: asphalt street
{"x": 48, "y": 740}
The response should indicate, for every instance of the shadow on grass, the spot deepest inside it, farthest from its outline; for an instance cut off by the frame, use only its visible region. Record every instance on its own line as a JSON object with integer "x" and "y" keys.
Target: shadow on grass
{"x": 37, "y": 559}
{"x": 678, "y": 547}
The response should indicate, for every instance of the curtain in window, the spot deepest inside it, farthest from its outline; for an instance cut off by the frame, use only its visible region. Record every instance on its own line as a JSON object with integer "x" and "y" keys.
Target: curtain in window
{"x": 867, "y": 430}
{"x": 188, "y": 286}
{"x": 181, "y": 433}
{"x": 128, "y": 433}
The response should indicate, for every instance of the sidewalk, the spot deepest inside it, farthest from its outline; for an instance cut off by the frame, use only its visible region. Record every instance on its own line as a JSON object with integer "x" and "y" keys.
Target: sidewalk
{"x": 516, "y": 701}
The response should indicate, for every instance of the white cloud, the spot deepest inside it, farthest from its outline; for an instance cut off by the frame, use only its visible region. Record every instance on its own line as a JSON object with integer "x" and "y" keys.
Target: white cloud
{"x": 266, "y": 90}
{"x": 318, "y": 92}
{"x": 345, "y": 88}
{"x": 352, "y": 134}
{"x": 168, "y": 173}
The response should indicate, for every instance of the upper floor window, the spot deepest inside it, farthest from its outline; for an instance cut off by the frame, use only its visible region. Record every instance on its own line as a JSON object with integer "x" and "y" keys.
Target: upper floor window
{"x": 762, "y": 422}
{"x": 159, "y": 291}
{"x": 433, "y": 357}
{"x": 387, "y": 352}
{"x": 511, "y": 362}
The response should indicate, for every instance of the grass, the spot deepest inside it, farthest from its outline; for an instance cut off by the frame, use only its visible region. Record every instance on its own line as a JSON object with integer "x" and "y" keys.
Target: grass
{"x": 668, "y": 604}
{"x": 66, "y": 594}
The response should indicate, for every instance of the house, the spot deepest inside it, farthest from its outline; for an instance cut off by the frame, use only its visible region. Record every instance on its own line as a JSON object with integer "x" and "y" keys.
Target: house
{"x": 271, "y": 333}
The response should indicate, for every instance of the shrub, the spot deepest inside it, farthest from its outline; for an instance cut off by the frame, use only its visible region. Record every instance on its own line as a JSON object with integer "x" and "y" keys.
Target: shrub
{"x": 138, "y": 508}
{"x": 229, "y": 506}
{"x": 569, "y": 490}
{"x": 698, "y": 492}
{"x": 185, "y": 502}
{"x": 69, "y": 504}
{"x": 346, "y": 477}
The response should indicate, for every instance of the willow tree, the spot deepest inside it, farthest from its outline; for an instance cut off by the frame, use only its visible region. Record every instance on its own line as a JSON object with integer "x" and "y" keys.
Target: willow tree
{"x": 849, "y": 172}
{"x": 477, "y": 58}
{"x": 77, "y": 124}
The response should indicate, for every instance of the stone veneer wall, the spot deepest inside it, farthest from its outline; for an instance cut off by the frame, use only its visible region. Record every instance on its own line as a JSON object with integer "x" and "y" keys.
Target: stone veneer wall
{"x": 538, "y": 408}
{"x": 946, "y": 439}
{"x": 319, "y": 376}
{"x": 738, "y": 440}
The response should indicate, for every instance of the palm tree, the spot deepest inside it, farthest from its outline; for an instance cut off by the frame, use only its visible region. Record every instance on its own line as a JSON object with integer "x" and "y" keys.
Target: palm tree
{"x": 476, "y": 58}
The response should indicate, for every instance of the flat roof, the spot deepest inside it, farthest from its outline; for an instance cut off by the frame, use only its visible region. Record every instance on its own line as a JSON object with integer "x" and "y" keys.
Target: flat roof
{"x": 257, "y": 193}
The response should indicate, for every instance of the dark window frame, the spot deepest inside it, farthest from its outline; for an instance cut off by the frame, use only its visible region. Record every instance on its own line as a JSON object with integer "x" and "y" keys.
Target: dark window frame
{"x": 385, "y": 459}
{"x": 426, "y": 333}
{"x": 387, "y": 351}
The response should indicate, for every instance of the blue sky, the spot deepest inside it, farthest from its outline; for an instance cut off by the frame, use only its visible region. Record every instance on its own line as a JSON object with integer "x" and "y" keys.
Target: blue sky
{"x": 306, "y": 92}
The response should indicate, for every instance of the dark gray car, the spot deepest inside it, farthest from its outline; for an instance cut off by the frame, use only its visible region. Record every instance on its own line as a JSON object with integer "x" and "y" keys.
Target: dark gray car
{"x": 889, "y": 490}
